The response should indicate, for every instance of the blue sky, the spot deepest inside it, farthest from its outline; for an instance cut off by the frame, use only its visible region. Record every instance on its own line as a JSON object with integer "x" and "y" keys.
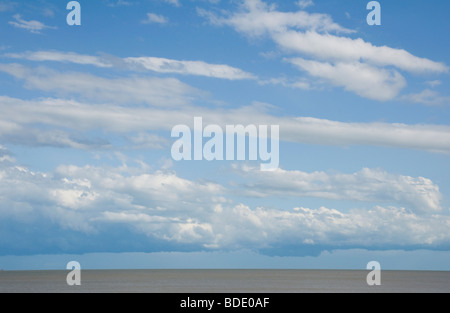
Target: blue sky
{"x": 87, "y": 112}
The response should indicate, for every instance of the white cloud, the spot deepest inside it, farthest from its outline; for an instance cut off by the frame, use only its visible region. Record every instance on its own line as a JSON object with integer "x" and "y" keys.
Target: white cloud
{"x": 155, "y": 18}
{"x": 338, "y": 48}
{"x": 300, "y": 83}
{"x": 119, "y": 3}
{"x": 419, "y": 194}
{"x": 170, "y": 229}
{"x": 149, "y": 141}
{"x": 174, "y": 2}
{"x": 79, "y": 116}
{"x": 341, "y": 60}
{"x": 48, "y": 12}
{"x": 427, "y": 97}
{"x": 305, "y": 3}
{"x": 56, "y": 56}
{"x": 311, "y": 37}
{"x": 145, "y": 189}
{"x": 32, "y": 26}
{"x": 431, "y": 138}
{"x": 159, "y": 204}
{"x": 200, "y": 68}
{"x": 434, "y": 83}
{"x": 257, "y": 18}
{"x": 118, "y": 110}
{"x": 159, "y": 65}
{"x": 7, "y": 5}
{"x": 269, "y": 228}
{"x": 35, "y": 137}
{"x": 131, "y": 91}
{"x": 365, "y": 80}
{"x": 5, "y": 156}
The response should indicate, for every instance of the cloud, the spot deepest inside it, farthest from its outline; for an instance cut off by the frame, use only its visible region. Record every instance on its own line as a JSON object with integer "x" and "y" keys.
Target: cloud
{"x": 427, "y": 97}
{"x": 154, "y": 91}
{"x": 48, "y": 12}
{"x": 119, "y": 3}
{"x": 67, "y": 57}
{"x": 117, "y": 119}
{"x": 82, "y": 199}
{"x": 199, "y": 68}
{"x": 354, "y": 64}
{"x": 36, "y": 137}
{"x": 365, "y": 80}
{"x": 149, "y": 141}
{"x": 310, "y": 34}
{"x": 305, "y": 3}
{"x": 7, "y": 5}
{"x": 151, "y": 191}
{"x": 433, "y": 83}
{"x": 320, "y": 131}
{"x": 257, "y": 18}
{"x": 300, "y": 83}
{"x": 174, "y": 2}
{"x": 162, "y": 206}
{"x": 5, "y": 156}
{"x": 32, "y": 26}
{"x": 159, "y": 65}
{"x": 303, "y": 227}
{"x": 155, "y": 18}
{"x": 368, "y": 185}
{"x": 338, "y": 48}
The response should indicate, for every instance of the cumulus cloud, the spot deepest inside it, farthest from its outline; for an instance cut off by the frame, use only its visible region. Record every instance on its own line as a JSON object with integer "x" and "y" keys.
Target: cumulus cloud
{"x": 368, "y": 185}
{"x": 161, "y": 205}
{"x": 145, "y": 190}
{"x": 267, "y": 228}
{"x": 78, "y": 198}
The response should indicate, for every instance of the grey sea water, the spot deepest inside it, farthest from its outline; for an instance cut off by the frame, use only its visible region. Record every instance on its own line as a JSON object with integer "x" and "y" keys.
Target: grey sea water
{"x": 224, "y": 281}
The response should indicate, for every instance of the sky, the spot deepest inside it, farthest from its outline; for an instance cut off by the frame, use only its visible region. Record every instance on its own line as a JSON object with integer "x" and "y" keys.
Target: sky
{"x": 86, "y": 114}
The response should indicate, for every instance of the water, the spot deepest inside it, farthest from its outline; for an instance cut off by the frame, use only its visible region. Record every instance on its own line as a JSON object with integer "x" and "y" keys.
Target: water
{"x": 224, "y": 281}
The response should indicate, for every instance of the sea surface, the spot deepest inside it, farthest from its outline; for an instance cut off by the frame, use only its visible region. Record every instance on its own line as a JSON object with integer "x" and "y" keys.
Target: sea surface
{"x": 224, "y": 281}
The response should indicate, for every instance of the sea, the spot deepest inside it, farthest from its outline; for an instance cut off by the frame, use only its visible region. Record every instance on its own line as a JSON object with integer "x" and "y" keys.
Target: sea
{"x": 224, "y": 281}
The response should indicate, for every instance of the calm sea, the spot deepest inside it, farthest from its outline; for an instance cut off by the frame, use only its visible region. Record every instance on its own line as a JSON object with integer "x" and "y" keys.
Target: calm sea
{"x": 223, "y": 281}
